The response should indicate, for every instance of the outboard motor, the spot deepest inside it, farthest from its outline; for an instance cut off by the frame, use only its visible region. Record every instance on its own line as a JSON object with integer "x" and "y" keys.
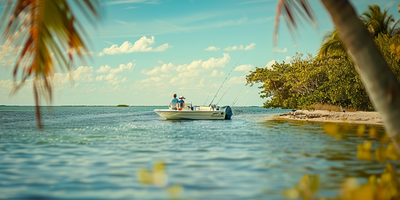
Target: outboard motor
{"x": 228, "y": 112}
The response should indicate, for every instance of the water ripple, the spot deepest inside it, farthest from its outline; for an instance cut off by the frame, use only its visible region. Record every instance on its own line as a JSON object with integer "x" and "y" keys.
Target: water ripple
{"x": 95, "y": 153}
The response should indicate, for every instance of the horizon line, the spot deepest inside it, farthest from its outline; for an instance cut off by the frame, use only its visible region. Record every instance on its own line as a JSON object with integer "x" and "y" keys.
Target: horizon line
{"x": 106, "y": 105}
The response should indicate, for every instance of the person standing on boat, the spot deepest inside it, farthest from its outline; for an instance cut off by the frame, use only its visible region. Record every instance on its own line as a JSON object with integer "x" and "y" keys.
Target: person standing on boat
{"x": 181, "y": 103}
{"x": 174, "y": 102}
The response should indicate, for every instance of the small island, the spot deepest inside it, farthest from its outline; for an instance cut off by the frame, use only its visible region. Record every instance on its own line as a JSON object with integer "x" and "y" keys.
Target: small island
{"x": 122, "y": 105}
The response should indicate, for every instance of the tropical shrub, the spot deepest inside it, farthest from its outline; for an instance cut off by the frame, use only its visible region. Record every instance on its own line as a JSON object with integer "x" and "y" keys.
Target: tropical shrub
{"x": 305, "y": 81}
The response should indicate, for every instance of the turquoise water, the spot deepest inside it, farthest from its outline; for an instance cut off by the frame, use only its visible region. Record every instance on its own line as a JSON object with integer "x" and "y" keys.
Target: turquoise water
{"x": 95, "y": 153}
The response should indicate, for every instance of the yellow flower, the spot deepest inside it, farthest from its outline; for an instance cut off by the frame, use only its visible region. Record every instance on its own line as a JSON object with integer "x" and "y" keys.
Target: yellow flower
{"x": 372, "y": 132}
{"x": 175, "y": 190}
{"x": 360, "y": 130}
{"x": 380, "y": 154}
{"x": 144, "y": 176}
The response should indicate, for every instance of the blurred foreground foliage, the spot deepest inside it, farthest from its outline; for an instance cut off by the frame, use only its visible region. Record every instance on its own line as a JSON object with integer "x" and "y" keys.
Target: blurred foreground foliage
{"x": 385, "y": 186}
{"x": 158, "y": 177}
{"x": 44, "y": 35}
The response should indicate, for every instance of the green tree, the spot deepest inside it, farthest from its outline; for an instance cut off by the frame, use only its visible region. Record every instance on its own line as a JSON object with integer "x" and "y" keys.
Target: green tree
{"x": 332, "y": 46}
{"x": 378, "y": 22}
{"x": 380, "y": 82}
{"x": 304, "y": 82}
{"x": 45, "y": 29}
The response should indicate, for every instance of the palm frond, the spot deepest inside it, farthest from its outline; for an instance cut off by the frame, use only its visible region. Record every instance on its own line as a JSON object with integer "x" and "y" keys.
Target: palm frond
{"x": 332, "y": 46}
{"x": 292, "y": 9}
{"x": 46, "y": 28}
{"x": 378, "y": 21}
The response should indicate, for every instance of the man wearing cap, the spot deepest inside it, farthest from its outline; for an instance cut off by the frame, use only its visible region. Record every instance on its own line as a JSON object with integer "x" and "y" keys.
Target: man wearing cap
{"x": 173, "y": 103}
{"x": 181, "y": 103}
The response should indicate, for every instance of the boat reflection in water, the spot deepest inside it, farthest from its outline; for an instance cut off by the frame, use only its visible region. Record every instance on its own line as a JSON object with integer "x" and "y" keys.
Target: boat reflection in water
{"x": 196, "y": 112}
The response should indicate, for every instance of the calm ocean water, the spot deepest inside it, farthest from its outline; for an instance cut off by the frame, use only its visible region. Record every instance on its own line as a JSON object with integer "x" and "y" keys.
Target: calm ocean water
{"x": 95, "y": 153}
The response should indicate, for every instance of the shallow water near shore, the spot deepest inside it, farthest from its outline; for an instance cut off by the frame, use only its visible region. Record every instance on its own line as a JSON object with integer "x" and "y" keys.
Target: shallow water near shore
{"x": 95, "y": 153}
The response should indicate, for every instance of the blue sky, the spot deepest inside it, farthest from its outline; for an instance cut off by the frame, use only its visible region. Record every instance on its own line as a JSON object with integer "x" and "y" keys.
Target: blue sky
{"x": 143, "y": 51}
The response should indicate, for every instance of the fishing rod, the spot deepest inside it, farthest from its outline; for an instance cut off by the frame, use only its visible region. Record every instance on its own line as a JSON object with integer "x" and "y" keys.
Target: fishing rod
{"x": 236, "y": 100}
{"x": 245, "y": 98}
{"x": 224, "y": 93}
{"x": 227, "y": 91}
{"x": 237, "y": 97}
{"x": 207, "y": 98}
{"x": 226, "y": 78}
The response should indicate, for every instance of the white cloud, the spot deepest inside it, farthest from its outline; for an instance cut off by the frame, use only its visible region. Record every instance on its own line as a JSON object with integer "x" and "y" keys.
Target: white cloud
{"x": 114, "y": 79}
{"x": 215, "y": 73}
{"x": 196, "y": 64}
{"x": 208, "y": 64}
{"x": 244, "y": 68}
{"x": 7, "y": 84}
{"x": 269, "y": 64}
{"x": 121, "y": 68}
{"x": 144, "y": 44}
{"x": 152, "y": 79}
{"x": 178, "y": 81}
{"x": 184, "y": 77}
{"x": 8, "y": 54}
{"x": 104, "y": 69}
{"x": 276, "y": 49}
{"x": 165, "y": 76}
{"x": 288, "y": 58}
{"x": 241, "y": 47}
{"x": 83, "y": 79}
{"x": 237, "y": 80}
{"x": 216, "y": 62}
{"x": 87, "y": 88}
{"x": 188, "y": 74}
{"x": 201, "y": 83}
{"x": 211, "y": 48}
{"x": 83, "y": 74}
{"x": 184, "y": 73}
{"x": 100, "y": 78}
{"x": 4, "y": 51}
{"x": 165, "y": 68}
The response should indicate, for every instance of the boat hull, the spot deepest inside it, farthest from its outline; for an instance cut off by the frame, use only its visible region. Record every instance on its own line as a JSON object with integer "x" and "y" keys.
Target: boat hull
{"x": 189, "y": 114}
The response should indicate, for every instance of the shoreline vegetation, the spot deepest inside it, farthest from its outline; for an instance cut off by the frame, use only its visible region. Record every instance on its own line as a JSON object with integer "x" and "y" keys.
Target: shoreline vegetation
{"x": 330, "y": 77}
{"x": 122, "y": 105}
{"x": 119, "y": 105}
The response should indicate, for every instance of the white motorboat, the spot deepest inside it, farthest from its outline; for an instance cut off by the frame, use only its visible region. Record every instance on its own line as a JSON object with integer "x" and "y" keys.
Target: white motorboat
{"x": 196, "y": 112}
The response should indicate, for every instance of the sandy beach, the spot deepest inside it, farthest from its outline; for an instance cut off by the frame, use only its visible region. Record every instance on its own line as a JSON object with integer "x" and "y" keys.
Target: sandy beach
{"x": 331, "y": 116}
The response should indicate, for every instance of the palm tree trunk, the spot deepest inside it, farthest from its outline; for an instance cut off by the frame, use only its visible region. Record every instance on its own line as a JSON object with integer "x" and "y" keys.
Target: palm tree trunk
{"x": 380, "y": 82}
